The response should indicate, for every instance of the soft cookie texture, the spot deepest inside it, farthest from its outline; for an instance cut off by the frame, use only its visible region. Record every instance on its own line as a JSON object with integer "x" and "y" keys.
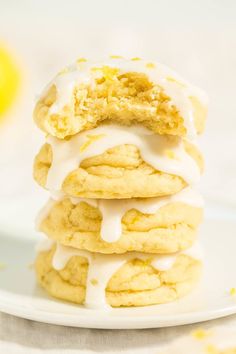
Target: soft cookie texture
{"x": 171, "y": 229}
{"x": 128, "y": 92}
{"x": 136, "y": 283}
{"x": 120, "y": 172}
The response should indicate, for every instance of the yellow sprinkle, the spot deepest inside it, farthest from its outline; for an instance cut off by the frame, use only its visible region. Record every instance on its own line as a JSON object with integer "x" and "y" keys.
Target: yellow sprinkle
{"x": 2, "y": 266}
{"x": 150, "y": 65}
{"x": 232, "y": 291}
{"x": 211, "y": 349}
{"x": 171, "y": 79}
{"x": 63, "y": 71}
{"x": 200, "y": 334}
{"x": 135, "y": 59}
{"x": 116, "y": 57}
{"x": 94, "y": 282}
{"x": 81, "y": 60}
{"x": 91, "y": 139}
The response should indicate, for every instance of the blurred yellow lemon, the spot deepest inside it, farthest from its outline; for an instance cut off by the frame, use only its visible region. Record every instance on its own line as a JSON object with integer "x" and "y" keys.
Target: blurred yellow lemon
{"x": 9, "y": 80}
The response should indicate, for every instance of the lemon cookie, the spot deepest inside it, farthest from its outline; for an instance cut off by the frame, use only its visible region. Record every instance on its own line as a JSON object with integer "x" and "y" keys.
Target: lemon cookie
{"x": 115, "y": 162}
{"x": 87, "y": 93}
{"x": 153, "y": 225}
{"x": 117, "y": 280}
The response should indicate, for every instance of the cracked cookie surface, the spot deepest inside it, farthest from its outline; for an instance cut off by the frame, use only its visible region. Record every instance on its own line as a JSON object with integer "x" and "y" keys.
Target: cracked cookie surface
{"x": 171, "y": 229}
{"x": 136, "y": 283}
{"x": 120, "y": 172}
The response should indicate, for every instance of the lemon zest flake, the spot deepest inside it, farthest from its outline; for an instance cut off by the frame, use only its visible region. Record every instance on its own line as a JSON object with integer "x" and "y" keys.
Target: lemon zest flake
{"x": 116, "y": 57}
{"x": 200, "y": 334}
{"x": 150, "y": 65}
{"x": 211, "y": 349}
{"x": 170, "y": 154}
{"x": 81, "y": 60}
{"x": 171, "y": 79}
{"x": 232, "y": 291}
{"x": 2, "y": 266}
{"x": 94, "y": 282}
{"x": 135, "y": 59}
{"x": 91, "y": 140}
{"x": 63, "y": 71}
{"x": 109, "y": 73}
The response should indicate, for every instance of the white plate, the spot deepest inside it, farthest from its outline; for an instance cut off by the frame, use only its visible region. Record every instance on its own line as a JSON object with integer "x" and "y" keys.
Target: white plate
{"x": 20, "y": 296}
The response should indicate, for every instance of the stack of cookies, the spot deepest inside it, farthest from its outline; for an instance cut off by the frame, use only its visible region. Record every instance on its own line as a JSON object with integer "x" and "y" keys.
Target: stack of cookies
{"x": 120, "y": 162}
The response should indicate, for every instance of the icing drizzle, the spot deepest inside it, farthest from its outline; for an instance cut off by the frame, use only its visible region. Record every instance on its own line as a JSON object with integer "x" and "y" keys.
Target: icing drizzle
{"x": 102, "y": 267}
{"x": 162, "y": 152}
{"x": 113, "y": 210}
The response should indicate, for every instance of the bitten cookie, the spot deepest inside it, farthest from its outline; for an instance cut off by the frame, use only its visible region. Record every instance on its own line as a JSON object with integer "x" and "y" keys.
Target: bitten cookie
{"x": 124, "y": 91}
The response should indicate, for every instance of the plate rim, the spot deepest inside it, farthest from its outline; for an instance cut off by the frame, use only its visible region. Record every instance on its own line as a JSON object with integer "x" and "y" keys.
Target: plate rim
{"x": 105, "y": 320}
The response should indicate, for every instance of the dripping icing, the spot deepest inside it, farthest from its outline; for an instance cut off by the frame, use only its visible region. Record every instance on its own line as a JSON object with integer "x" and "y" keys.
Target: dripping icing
{"x": 67, "y": 155}
{"x": 113, "y": 210}
{"x": 102, "y": 267}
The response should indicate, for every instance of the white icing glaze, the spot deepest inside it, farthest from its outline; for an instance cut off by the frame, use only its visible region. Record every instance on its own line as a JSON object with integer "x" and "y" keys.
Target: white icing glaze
{"x": 113, "y": 210}
{"x": 179, "y": 90}
{"x": 57, "y": 195}
{"x": 67, "y": 154}
{"x": 44, "y": 245}
{"x": 102, "y": 267}
{"x": 43, "y": 213}
{"x": 196, "y": 251}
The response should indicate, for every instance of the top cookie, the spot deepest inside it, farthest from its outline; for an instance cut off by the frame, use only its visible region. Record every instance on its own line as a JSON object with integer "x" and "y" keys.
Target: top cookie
{"x": 128, "y": 92}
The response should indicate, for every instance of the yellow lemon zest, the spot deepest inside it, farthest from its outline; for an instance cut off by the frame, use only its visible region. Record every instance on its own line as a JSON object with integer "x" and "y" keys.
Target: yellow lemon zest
{"x": 232, "y": 291}
{"x": 150, "y": 65}
{"x": 200, "y": 334}
{"x": 108, "y": 72}
{"x": 116, "y": 57}
{"x": 91, "y": 140}
{"x": 63, "y": 71}
{"x": 2, "y": 266}
{"x": 170, "y": 154}
{"x": 94, "y": 282}
{"x": 81, "y": 60}
{"x": 211, "y": 349}
{"x": 171, "y": 79}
